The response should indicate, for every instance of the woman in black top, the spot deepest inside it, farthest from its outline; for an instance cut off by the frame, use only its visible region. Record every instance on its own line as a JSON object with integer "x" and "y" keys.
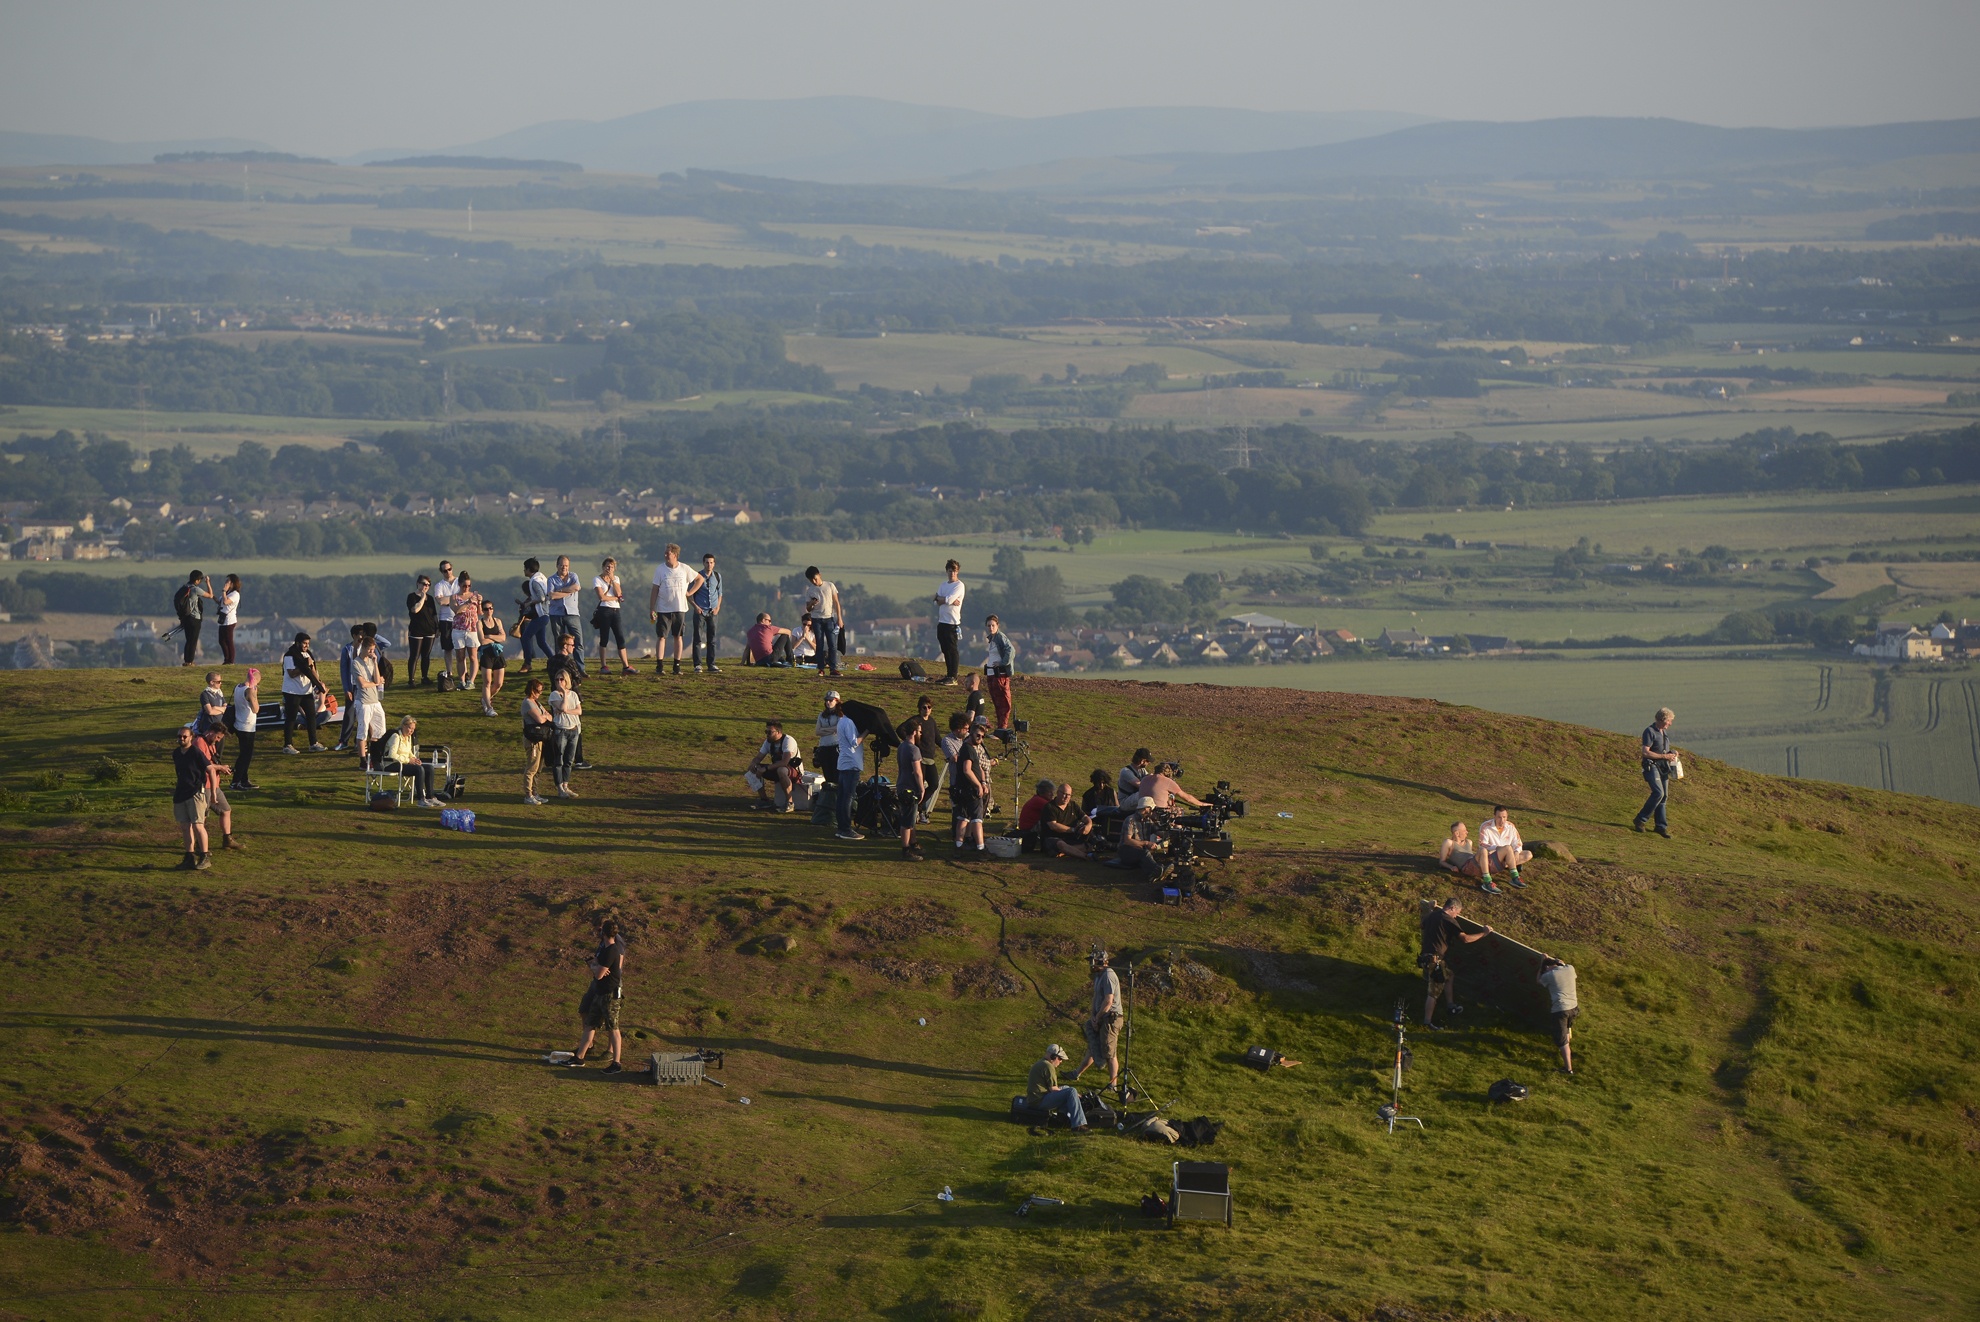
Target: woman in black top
{"x": 1100, "y": 793}
{"x": 422, "y": 625}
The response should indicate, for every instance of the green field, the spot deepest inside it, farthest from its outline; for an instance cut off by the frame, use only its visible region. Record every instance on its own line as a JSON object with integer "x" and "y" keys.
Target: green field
{"x": 1817, "y": 718}
{"x": 205, "y": 434}
{"x": 308, "y": 1082}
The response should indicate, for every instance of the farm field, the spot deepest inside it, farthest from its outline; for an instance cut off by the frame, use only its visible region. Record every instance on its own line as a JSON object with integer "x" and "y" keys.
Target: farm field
{"x": 1811, "y": 717}
{"x": 314, "y": 1073}
{"x": 205, "y": 434}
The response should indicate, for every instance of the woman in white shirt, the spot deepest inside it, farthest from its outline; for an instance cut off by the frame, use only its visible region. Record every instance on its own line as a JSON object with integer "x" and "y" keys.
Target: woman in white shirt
{"x": 608, "y": 620}
{"x": 230, "y": 614}
{"x": 367, "y": 698}
{"x": 566, "y": 723}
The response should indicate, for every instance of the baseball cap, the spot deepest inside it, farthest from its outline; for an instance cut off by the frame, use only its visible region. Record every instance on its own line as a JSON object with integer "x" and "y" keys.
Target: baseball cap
{"x": 983, "y": 721}
{"x": 1055, "y": 1052}
{"x": 833, "y": 696}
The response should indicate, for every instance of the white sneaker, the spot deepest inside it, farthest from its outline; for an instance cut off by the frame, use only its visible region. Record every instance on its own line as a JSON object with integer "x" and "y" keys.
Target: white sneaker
{"x": 532, "y": 801}
{"x": 565, "y": 792}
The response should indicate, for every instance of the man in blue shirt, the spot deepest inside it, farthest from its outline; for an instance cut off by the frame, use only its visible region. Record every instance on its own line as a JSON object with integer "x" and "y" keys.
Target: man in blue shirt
{"x": 706, "y": 602}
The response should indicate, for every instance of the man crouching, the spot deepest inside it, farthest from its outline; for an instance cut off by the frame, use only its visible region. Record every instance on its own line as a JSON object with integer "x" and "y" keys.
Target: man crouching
{"x": 1044, "y": 1092}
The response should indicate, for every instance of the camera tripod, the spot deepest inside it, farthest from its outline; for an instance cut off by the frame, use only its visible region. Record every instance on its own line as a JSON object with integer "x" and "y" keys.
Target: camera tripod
{"x": 1391, "y": 1112}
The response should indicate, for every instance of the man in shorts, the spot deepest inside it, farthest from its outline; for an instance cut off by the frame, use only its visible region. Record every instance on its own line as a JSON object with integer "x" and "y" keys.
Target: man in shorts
{"x": 1103, "y": 1025}
{"x": 600, "y": 1006}
{"x": 673, "y": 584}
{"x": 191, "y": 768}
{"x": 910, "y": 779}
{"x": 445, "y": 589}
{"x": 1440, "y": 928}
{"x": 967, "y": 793}
{"x": 1557, "y": 976}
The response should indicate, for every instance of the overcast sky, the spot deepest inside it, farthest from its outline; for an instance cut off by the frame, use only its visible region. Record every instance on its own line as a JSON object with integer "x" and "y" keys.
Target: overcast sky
{"x": 338, "y": 78}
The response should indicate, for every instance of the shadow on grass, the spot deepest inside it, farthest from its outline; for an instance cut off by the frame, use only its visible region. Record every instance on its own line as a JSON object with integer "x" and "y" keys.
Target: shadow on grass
{"x": 309, "y": 1036}
{"x": 951, "y": 1112}
{"x": 1471, "y": 800}
{"x": 812, "y": 1056}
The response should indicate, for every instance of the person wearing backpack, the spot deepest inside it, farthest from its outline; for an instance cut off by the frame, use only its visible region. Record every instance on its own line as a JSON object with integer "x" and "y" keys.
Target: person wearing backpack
{"x": 186, "y": 605}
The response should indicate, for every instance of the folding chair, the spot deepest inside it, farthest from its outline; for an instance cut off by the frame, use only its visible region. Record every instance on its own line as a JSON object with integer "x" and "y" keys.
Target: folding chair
{"x": 378, "y": 781}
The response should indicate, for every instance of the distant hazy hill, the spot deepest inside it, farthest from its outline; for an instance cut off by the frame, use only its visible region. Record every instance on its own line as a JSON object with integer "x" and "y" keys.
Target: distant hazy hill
{"x": 847, "y": 139}
{"x": 1624, "y": 148}
{"x": 63, "y": 149}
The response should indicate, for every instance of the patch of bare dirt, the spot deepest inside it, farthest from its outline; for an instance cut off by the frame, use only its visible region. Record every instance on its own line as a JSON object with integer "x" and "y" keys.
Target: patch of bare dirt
{"x": 987, "y": 980}
{"x": 897, "y": 924}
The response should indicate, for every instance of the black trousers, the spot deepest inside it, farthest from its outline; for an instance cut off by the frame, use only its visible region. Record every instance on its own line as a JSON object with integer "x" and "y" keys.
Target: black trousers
{"x": 190, "y": 628}
{"x": 290, "y": 703}
{"x": 227, "y": 644}
{"x": 950, "y": 636}
{"x": 245, "y": 740}
{"x": 419, "y": 651}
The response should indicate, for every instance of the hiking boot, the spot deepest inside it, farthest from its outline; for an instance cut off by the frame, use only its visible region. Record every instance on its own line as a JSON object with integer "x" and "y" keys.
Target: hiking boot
{"x": 1664, "y": 831}
{"x": 186, "y": 864}
{"x": 202, "y": 863}
{"x": 1638, "y": 826}
{"x": 912, "y": 855}
{"x": 228, "y": 842}
{"x": 1490, "y": 887}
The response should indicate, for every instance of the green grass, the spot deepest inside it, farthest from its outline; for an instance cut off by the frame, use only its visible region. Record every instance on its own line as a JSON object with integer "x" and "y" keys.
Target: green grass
{"x": 205, "y": 434}
{"x": 305, "y": 1082}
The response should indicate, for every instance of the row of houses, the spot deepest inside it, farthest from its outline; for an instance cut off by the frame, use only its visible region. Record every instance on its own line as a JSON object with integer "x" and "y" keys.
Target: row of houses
{"x": 1907, "y": 642}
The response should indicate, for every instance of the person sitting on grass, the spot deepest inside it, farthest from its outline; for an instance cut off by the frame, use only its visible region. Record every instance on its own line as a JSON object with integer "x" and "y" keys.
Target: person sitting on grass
{"x": 1100, "y": 792}
{"x": 1457, "y": 854}
{"x": 1064, "y": 829}
{"x": 1043, "y": 1091}
{"x": 776, "y": 764}
{"x": 1139, "y": 838}
{"x": 767, "y": 645}
{"x": 1501, "y": 849}
{"x": 1032, "y": 812}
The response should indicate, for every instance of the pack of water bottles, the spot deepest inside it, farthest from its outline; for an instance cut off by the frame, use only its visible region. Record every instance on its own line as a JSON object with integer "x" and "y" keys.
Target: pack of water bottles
{"x": 458, "y": 819}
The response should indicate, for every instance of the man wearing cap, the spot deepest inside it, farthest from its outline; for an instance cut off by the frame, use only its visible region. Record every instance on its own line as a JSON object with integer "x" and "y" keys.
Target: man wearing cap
{"x": 852, "y": 762}
{"x": 1103, "y": 1026}
{"x": 1044, "y": 1092}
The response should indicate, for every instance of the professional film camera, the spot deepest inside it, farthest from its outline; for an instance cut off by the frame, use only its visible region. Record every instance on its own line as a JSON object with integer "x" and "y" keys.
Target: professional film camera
{"x": 1189, "y": 835}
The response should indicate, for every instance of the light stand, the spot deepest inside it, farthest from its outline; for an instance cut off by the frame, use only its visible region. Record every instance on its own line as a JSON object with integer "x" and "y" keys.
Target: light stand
{"x": 1392, "y": 1111}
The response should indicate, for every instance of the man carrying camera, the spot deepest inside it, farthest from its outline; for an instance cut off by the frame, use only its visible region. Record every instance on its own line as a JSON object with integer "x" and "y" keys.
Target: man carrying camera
{"x": 1103, "y": 1026}
{"x": 776, "y": 764}
{"x": 1440, "y": 928}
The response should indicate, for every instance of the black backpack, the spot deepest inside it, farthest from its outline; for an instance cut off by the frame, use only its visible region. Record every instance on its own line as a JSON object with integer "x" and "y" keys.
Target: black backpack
{"x": 1505, "y": 1090}
{"x": 1200, "y": 1132}
{"x": 914, "y": 671}
{"x": 182, "y": 601}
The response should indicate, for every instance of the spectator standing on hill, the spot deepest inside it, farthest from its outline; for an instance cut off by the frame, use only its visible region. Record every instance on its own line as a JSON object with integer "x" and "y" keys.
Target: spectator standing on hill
{"x": 600, "y": 1006}
{"x": 212, "y": 703}
{"x": 767, "y": 645}
{"x": 537, "y": 725}
{"x": 969, "y": 791}
{"x": 422, "y": 625}
{"x": 566, "y": 721}
{"x": 190, "y": 764}
{"x": 974, "y": 699}
{"x": 368, "y": 696}
{"x": 301, "y": 687}
{"x": 1658, "y": 759}
{"x": 444, "y": 589}
{"x": 535, "y": 617}
{"x": 230, "y": 616}
{"x": 247, "y": 712}
{"x": 673, "y": 584}
{"x": 1499, "y": 846}
{"x": 910, "y": 778}
{"x": 821, "y": 603}
{"x": 948, "y": 618}
{"x": 1557, "y": 976}
{"x": 565, "y": 589}
{"x": 216, "y": 797}
{"x": 852, "y": 765}
{"x": 706, "y": 605}
{"x": 188, "y": 605}
{"x": 1440, "y": 928}
{"x": 470, "y": 609}
{"x": 494, "y": 656}
{"x": 608, "y": 620}
{"x": 999, "y": 664}
{"x": 920, "y": 730}
{"x": 826, "y": 729}
{"x": 569, "y": 661}
{"x": 346, "y": 658}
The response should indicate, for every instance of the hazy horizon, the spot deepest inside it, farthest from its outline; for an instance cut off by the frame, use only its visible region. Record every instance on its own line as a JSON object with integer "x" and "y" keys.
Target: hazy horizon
{"x": 381, "y": 77}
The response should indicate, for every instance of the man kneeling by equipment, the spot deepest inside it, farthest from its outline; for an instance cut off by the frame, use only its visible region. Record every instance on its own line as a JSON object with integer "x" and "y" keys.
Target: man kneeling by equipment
{"x": 1043, "y": 1091}
{"x": 777, "y": 765}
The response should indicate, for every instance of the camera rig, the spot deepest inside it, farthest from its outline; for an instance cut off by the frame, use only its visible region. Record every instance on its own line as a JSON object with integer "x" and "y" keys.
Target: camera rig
{"x": 1187, "y": 835}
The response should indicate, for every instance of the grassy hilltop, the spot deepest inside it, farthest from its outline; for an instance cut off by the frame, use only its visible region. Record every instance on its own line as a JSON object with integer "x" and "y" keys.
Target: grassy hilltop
{"x": 307, "y": 1082}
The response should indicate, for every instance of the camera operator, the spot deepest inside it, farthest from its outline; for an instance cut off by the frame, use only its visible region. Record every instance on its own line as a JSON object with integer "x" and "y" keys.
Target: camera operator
{"x": 1103, "y": 1026}
{"x": 1159, "y": 789}
{"x": 1440, "y": 928}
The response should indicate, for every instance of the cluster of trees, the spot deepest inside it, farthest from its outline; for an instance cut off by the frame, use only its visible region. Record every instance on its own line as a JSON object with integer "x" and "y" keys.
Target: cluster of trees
{"x": 681, "y": 353}
{"x": 815, "y": 482}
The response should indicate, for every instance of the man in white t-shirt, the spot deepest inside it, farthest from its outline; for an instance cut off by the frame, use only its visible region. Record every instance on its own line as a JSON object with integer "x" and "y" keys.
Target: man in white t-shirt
{"x": 673, "y": 584}
{"x": 821, "y": 603}
{"x": 445, "y": 589}
{"x": 777, "y": 763}
{"x": 948, "y": 618}
{"x": 1501, "y": 849}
